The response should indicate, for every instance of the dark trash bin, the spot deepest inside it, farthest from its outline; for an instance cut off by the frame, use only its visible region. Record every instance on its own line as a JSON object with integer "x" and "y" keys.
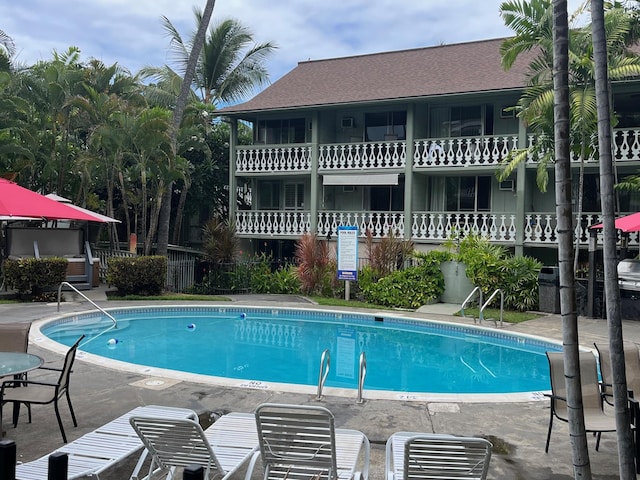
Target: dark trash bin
{"x": 549, "y": 290}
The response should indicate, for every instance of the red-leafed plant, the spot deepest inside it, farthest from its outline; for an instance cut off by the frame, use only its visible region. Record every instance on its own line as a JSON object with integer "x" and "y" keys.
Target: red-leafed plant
{"x": 314, "y": 264}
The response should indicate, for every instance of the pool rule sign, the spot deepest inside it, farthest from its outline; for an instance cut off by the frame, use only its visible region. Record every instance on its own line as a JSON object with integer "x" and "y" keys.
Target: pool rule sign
{"x": 347, "y": 256}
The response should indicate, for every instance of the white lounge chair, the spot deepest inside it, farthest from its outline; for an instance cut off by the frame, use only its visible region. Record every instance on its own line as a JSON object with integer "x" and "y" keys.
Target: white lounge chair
{"x": 103, "y": 448}
{"x": 176, "y": 443}
{"x": 414, "y": 455}
{"x": 301, "y": 443}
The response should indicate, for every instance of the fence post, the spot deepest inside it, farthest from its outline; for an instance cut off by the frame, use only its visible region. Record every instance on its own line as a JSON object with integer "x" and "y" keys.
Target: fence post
{"x": 193, "y": 472}
{"x": 58, "y": 466}
{"x": 7, "y": 460}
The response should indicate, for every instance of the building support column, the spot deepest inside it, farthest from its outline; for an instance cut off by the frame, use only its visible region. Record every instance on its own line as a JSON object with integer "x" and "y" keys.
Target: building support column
{"x": 521, "y": 187}
{"x": 315, "y": 179}
{"x": 408, "y": 173}
{"x": 233, "y": 183}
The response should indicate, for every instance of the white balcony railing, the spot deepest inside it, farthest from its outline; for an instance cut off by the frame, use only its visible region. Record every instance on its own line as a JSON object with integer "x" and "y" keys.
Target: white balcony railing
{"x": 272, "y": 222}
{"x": 379, "y": 224}
{"x": 463, "y": 152}
{"x": 273, "y": 158}
{"x": 366, "y": 155}
{"x": 441, "y": 226}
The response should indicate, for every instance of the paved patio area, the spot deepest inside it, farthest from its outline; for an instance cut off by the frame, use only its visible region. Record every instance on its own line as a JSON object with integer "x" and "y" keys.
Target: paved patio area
{"x": 517, "y": 430}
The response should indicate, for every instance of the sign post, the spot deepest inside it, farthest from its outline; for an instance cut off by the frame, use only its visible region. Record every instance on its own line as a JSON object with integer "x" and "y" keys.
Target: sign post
{"x": 347, "y": 256}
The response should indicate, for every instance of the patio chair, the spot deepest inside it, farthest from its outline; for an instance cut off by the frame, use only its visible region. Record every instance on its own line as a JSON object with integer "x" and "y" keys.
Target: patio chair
{"x": 595, "y": 420}
{"x": 30, "y": 392}
{"x": 632, "y": 368}
{"x": 177, "y": 443}
{"x": 425, "y": 456}
{"x": 14, "y": 337}
{"x": 103, "y": 448}
{"x": 301, "y": 443}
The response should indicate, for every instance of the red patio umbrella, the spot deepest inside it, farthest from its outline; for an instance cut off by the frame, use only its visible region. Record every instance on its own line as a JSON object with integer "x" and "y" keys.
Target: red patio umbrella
{"x": 18, "y": 202}
{"x": 628, "y": 223}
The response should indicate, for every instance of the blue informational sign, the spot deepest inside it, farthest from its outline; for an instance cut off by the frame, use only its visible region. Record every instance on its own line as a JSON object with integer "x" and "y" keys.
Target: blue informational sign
{"x": 348, "y": 253}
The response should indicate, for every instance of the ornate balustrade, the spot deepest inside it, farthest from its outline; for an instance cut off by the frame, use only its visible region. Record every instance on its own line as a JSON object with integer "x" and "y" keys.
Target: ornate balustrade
{"x": 463, "y": 152}
{"x": 273, "y": 158}
{"x": 372, "y": 155}
{"x": 542, "y": 228}
{"x": 273, "y": 222}
{"x": 440, "y": 226}
{"x": 380, "y": 224}
{"x": 626, "y": 146}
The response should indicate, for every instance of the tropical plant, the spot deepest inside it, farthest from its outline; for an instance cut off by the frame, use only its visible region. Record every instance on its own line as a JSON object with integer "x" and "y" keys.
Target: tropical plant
{"x": 313, "y": 262}
{"x": 387, "y": 254}
{"x": 220, "y": 241}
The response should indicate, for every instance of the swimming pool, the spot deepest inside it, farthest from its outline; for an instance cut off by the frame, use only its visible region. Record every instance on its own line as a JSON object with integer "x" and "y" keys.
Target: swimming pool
{"x": 260, "y": 347}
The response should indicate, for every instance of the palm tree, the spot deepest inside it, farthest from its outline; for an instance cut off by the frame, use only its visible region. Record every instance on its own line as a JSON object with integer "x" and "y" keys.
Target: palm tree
{"x": 579, "y": 450}
{"x": 220, "y": 66}
{"x": 626, "y": 458}
{"x": 7, "y": 51}
{"x": 231, "y": 66}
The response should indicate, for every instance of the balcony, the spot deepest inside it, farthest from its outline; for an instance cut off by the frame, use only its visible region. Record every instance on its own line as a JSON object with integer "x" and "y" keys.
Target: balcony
{"x": 438, "y": 227}
{"x": 363, "y": 155}
{"x": 272, "y": 223}
{"x": 464, "y": 151}
{"x": 273, "y": 158}
{"x": 392, "y": 155}
{"x": 378, "y": 224}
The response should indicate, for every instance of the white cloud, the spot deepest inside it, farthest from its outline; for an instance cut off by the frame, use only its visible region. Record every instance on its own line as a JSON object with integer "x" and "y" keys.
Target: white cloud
{"x": 130, "y": 32}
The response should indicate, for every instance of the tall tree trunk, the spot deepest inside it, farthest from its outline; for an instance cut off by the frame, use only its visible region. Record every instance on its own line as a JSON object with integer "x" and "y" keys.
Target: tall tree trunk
{"x": 626, "y": 458}
{"x": 179, "y": 213}
{"x": 577, "y": 434}
{"x": 178, "y": 112}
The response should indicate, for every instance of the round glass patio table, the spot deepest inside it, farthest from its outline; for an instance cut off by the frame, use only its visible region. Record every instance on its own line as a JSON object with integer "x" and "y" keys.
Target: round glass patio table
{"x": 16, "y": 363}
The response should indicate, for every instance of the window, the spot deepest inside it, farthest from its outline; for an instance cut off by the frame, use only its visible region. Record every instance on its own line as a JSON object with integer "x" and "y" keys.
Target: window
{"x": 272, "y": 132}
{"x": 468, "y": 194}
{"x": 294, "y": 196}
{"x": 269, "y": 196}
{"x": 467, "y": 121}
{"x": 385, "y": 126}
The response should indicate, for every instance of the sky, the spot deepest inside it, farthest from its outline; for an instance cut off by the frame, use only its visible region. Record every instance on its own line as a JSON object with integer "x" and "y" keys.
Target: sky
{"x": 130, "y": 32}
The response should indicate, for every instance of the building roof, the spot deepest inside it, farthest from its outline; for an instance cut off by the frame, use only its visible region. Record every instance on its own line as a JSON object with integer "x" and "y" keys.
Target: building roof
{"x": 416, "y": 73}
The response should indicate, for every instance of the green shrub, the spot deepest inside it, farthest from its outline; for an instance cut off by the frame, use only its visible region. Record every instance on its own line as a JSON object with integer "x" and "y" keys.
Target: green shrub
{"x": 145, "y": 275}
{"x": 491, "y": 267}
{"x": 408, "y": 288}
{"x": 33, "y": 276}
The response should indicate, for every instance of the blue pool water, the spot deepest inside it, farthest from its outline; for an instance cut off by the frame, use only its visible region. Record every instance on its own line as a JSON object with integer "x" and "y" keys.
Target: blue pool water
{"x": 285, "y": 346}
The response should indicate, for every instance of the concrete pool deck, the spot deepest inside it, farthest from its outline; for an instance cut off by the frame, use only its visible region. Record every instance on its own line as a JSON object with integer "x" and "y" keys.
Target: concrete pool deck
{"x": 517, "y": 430}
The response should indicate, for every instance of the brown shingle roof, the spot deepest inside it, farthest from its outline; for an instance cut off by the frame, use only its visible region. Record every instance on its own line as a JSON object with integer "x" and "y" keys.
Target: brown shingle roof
{"x": 422, "y": 72}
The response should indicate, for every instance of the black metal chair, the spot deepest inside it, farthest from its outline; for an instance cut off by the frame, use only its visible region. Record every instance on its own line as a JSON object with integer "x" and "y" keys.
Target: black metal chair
{"x": 31, "y": 392}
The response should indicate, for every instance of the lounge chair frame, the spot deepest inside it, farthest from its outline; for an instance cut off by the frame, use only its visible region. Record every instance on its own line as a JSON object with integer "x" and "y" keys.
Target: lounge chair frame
{"x": 301, "y": 443}
{"x": 426, "y": 456}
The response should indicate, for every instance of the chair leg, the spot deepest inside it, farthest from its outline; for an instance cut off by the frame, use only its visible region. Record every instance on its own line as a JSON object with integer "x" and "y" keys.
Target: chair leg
{"x": 73, "y": 415}
{"x": 546, "y": 448}
{"x": 598, "y": 435}
{"x": 55, "y": 407}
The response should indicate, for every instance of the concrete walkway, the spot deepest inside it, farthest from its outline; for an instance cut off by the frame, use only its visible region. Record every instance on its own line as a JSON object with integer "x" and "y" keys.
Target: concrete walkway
{"x": 517, "y": 430}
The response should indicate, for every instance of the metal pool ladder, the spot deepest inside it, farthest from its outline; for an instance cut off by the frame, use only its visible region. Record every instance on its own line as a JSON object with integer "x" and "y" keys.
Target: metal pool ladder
{"x": 104, "y": 312}
{"x": 325, "y": 361}
{"x": 362, "y": 373}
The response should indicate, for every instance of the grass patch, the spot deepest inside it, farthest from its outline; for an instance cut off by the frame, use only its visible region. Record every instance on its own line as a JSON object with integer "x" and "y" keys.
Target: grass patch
{"x": 175, "y": 297}
{"x": 507, "y": 315}
{"x": 9, "y": 300}
{"x": 340, "y": 302}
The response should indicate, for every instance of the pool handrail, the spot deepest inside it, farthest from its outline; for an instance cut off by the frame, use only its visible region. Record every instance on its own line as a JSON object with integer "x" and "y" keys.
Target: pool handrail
{"x": 325, "y": 361}
{"x": 67, "y": 284}
{"x": 489, "y": 301}
{"x": 468, "y": 299}
{"x": 362, "y": 373}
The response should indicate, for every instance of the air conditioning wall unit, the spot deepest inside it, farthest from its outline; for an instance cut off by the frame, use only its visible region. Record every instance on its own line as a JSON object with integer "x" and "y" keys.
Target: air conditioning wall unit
{"x": 507, "y": 185}
{"x": 348, "y": 122}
